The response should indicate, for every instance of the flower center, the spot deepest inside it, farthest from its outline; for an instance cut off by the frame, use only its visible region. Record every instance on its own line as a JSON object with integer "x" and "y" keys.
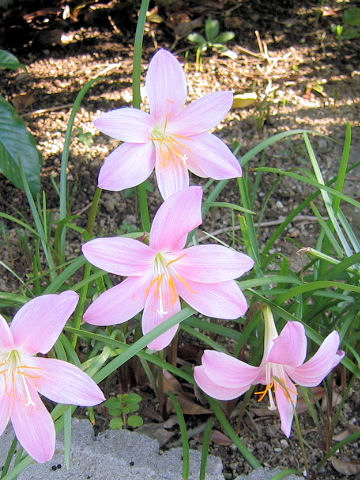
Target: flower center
{"x": 15, "y": 373}
{"x": 163, "y": 280}
{"x": 275, "y": 378}
{"x": 170, "y": 148}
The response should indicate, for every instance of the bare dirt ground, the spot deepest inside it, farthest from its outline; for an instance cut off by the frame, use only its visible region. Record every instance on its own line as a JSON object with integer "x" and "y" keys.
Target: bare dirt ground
{"x": 303, "y": 76}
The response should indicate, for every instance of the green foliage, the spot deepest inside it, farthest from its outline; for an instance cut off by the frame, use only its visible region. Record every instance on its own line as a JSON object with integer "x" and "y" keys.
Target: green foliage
{"x": 350, "y": 28}
{"x": 18, "y": 149}
{"x": 120, "y": 407}
{"x": 8, "y": 60}
{"x": 212, "y": 40}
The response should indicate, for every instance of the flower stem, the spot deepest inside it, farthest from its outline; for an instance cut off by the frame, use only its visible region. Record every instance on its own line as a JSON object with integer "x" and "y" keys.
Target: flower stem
{"x": 139, "y": 35}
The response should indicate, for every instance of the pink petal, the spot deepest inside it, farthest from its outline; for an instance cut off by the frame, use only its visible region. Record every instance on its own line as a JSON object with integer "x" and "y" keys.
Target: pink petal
{"x": 165, "y": 85}
{"x": 289, "y": 348}
{"x": 162, "y": 302}
{"x": 312, "y": 372}
{"x": 171, "y": 171}
{"x": 6, "y": 339}
{"x": 6, "y": 404}
{"x": 286, "y": 402}
{"x": 119, "y": 303}
{"x": 63, "y": 382}
{"x": 127, "y": 166}
{"x": 213, "y": 389}
{"x": 201, "y": 115}
{"x": 218, "y": 300}
{"x": 126, "y": 124}
{"x": 38, "y": 324}
{"x": 119, "y": 255}
{"x": 209, "y": 157}
{"x": 176, "y": 217}
{"x": 212, "y": 264}
{"x": 228, "y": 371}
{"x": 34, "y": 427}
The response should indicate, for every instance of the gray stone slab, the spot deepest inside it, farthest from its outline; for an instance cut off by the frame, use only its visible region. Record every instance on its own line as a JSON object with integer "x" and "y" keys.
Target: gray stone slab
{"x": 120, "y": 455}
{"x": 113, "y": 455}
{"x": 266, "y": 474}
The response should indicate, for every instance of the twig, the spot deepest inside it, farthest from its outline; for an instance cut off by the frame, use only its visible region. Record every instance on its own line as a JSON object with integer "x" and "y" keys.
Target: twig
{"x": 50, "y": 109}
{"x": 271, "y": 223}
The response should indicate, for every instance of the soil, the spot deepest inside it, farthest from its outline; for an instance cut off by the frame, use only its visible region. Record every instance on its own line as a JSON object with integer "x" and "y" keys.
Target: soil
{"x": 304, "y": 78}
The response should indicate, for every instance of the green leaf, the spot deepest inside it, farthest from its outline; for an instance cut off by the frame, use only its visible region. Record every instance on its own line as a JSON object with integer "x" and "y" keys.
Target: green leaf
{"x": 196, "y": 38}
{"x": 212, "y": 28}
{"x": 113, "y": 403}
{"x": 224, "y": 37}
{"x": 133, "y": 398}
{"x": 8, "y": 60}
{"x": 352, "y": 16}
{"x": 116, "y": 423}
{"x": 18, "y": 147}
{"x": 135, "y": 421}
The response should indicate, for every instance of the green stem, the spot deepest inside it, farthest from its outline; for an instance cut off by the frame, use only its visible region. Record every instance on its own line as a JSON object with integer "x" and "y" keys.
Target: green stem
{"x": 65, "y": 160}
{"x": 93, "y": 212}
{"x": 87, "y": 270}
{"x": 139, "y": 35}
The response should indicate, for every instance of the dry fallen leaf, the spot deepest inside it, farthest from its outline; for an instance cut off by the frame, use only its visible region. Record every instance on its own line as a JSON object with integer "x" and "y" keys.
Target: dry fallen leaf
{"x": 243, "y": 100}
{"x": 220, "y": 438}
{"x": 23, "y": 101}
{"x": 189, "y": 407}
{"x": 345, "y": 468}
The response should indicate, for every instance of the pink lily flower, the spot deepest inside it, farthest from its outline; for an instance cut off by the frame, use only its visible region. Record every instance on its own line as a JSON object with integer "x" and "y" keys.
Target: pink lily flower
{"x": 173, "y": 139}
{"x": 34, "y": 329}
{"x": 225, "y": 378}
{"x": 160, "y": 272}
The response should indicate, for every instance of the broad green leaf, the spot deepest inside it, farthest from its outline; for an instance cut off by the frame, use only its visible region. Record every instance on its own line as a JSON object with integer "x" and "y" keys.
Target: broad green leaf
{"x": 18, "y": 147}
{"x": 211, "y": 29}
{"x": 135, "y": 421}
{"x": 352, "y": 16}
{"x": 196, "y": 38}
{"x": 224, "y": 37}
{"x": 8, "y": 60}
{"x": 116, "y": 423}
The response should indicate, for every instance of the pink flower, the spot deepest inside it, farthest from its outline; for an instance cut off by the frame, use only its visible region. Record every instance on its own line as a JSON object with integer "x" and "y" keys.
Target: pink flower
{"x": 224, "y": 377}
{"x": 161, "y": 272}
{"x": 173, "y": 139}
{"x": 34, "y": 329}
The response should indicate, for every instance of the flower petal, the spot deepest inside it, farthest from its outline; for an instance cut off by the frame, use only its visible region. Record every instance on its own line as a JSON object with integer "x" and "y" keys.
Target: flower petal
{"x": 219, "y": 300}
{"x": 312, "y": 372}
{"x": 212, "y": 264}
{"x": 126, "y": 124}
{"x": 286, "y": 402}
{"x": 63, "y": 382}
{"x": 201, "y": 115}
{"x": 165, "y": 85}
{"x": 176, "y": 217}
{"x": 171, "y": 171}
{"x": 34, "y": 427}
{"x": 6, "y": 339}
{"x": 127, "y": 166}
{"x": 289, "y": 348}
{"x": 119, "y": 303}
{"x": 208, "y": 156}
{"x": 119, "y": 255}
{"x": 228, "y": 371}
{"x": 6, "y": 404}
{"x": 37, "y": 324}
{"x": 162, "y": 302}
{"x": 213, "y": 389}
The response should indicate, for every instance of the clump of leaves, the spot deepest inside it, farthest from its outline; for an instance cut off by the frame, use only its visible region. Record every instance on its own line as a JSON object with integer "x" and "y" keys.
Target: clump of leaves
{"x": 350, "y": 28}
{"x": 213, "y": 40}
{"x": 119, "y": 408}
